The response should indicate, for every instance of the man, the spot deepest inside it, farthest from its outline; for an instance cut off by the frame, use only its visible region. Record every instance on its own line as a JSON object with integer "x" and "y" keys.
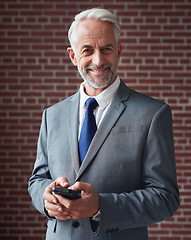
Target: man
{"x": 127, "y": 178}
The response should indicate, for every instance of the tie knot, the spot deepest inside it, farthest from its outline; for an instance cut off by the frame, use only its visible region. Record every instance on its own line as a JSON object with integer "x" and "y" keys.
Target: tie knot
{"x": 91, "y": 103}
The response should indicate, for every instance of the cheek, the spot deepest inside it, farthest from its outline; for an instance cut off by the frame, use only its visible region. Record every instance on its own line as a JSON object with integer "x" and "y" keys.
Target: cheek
{"x": 116, "y": 60}
{"x": 112, "y": 59}
{"x": 83, "y": 62}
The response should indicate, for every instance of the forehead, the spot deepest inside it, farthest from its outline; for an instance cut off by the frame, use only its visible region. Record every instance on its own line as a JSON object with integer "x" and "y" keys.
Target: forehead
{"x": 95, "y": 32}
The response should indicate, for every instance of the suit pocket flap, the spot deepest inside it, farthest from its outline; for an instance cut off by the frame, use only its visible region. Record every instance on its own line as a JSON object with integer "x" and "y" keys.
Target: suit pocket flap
{"x": 126, "y": 129}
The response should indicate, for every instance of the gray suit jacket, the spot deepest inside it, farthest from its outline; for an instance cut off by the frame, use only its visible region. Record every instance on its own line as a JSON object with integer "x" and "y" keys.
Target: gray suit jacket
{"x": 130, "y": 164}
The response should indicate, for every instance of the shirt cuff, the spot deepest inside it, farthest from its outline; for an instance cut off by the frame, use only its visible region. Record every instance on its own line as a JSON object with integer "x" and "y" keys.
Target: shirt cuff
{"x": 97, "y": 216}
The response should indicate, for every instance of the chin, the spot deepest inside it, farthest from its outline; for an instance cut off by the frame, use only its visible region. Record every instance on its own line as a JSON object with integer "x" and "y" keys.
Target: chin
{"x": 100, "y": 83}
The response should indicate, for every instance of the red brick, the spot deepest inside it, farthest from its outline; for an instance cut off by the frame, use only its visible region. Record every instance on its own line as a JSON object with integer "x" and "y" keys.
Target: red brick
{"x": 36, "y": 72}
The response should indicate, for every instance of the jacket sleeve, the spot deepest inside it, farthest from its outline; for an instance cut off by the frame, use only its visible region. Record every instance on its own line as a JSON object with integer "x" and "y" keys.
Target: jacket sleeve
{"x": 40, "y": 178}
{"x": 158, "y": 198}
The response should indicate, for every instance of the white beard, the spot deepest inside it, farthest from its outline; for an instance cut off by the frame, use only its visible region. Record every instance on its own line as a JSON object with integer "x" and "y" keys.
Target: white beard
{"x": 104, "y": 82}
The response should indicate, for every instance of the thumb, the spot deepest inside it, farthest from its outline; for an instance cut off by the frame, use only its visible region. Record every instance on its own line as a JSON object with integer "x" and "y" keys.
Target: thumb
{"x": 81, "y": 186}
{"x": 62, "y": 182}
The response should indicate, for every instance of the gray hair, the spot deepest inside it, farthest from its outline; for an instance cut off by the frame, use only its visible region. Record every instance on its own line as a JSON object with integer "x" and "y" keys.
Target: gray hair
{"x": 94, "y": 13}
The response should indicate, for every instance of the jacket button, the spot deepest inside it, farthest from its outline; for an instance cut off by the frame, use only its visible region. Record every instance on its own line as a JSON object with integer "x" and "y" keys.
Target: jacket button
{"x": 75, "y": 224}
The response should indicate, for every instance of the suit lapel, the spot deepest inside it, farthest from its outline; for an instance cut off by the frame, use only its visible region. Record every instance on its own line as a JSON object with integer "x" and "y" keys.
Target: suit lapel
{"x": 114, "y": 112}
{"x": 72, "y": 124}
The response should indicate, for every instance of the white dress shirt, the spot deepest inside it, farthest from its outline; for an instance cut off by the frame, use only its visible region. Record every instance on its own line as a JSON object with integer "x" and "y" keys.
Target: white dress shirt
{"x": 104, "y": 100}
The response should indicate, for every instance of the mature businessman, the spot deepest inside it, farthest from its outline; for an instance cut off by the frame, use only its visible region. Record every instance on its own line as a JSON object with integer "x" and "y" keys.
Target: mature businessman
{"x": 127, "y": 177}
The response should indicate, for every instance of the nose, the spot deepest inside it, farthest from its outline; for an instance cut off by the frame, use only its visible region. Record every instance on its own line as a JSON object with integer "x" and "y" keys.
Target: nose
{"x": 97, "y": 58}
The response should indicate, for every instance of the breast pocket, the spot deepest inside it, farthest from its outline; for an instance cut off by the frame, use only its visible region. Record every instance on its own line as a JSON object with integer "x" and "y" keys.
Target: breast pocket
{"x": 126, "y": 129}
{"x": 127, "y": 142}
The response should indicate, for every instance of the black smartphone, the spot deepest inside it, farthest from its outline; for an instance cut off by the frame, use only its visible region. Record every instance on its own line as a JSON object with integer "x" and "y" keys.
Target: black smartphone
{"x": 66, "y": 193}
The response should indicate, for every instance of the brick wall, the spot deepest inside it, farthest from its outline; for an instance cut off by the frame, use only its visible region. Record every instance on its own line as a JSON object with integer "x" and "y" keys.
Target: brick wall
{"x": 35, "y": 72}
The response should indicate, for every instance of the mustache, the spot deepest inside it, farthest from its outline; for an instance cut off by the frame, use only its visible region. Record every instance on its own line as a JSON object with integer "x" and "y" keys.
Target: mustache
{"x": 95, "y": 67}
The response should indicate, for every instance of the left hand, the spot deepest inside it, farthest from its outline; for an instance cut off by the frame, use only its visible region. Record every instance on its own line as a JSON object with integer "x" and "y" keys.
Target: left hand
{"x": 86, "y": 206}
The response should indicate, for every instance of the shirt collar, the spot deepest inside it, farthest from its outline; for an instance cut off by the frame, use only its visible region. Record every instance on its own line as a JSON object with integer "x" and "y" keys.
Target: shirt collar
{"x": 104, "y": 98}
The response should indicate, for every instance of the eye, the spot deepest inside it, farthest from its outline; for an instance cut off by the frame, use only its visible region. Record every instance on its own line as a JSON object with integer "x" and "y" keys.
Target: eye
{"x": 107, "y": 50}
{"x": 87, "y": 51}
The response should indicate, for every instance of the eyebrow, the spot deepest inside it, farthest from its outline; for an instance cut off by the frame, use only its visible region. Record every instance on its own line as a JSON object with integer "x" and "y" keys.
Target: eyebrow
{"x": 108, "y": 45}
{"x": 89, "y": 46}
{"x": 86, "y": 46}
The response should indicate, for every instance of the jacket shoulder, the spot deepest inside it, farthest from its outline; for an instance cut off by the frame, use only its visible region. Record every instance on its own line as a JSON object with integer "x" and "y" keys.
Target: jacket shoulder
{"x": 128, "y": 95}
{"x": 145, "y": 99}
{"x": 62, "y": 104}
{"x": 143, "y": 106}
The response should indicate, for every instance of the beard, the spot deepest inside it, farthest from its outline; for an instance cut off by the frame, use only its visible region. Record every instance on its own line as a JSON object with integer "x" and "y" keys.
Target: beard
{"x": 103, "y": 81}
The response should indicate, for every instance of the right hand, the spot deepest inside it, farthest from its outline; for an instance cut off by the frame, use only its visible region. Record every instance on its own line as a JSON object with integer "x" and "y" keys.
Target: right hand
{"x": 52, "y": 205}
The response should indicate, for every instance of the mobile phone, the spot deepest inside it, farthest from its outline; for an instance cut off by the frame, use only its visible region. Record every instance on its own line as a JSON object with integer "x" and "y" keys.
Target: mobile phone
{"x": 66, "y": 193}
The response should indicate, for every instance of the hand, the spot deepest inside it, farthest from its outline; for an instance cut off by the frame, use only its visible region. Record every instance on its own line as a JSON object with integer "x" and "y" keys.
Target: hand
{"x": 52, "y": 205}
{"x": 86, "y": 206}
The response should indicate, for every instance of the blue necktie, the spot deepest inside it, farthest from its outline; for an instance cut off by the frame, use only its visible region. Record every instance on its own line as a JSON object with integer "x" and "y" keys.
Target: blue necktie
{"x": 88, "y": 129}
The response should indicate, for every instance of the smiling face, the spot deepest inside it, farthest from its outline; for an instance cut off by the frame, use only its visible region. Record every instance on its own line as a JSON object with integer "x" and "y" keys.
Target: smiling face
{"x": 97, "y": 54}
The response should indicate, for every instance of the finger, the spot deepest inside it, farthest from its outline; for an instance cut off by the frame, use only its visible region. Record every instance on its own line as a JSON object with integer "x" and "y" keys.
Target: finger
{"x": 64, "y": 215}
{"x": 56, "y": 210}
{"x": 81, "y": 186}
{"x": 54, "y": 207}
{"x": 62, "y": 181}
{"x": 57, "y": 214}
{"x": 64, "y": 218}
{"x": 66, "y": 203}
{"x": 48, "y": 196}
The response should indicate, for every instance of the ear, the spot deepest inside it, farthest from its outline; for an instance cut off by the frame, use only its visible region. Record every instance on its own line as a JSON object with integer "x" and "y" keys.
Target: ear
{"x": 72, "y": 55}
